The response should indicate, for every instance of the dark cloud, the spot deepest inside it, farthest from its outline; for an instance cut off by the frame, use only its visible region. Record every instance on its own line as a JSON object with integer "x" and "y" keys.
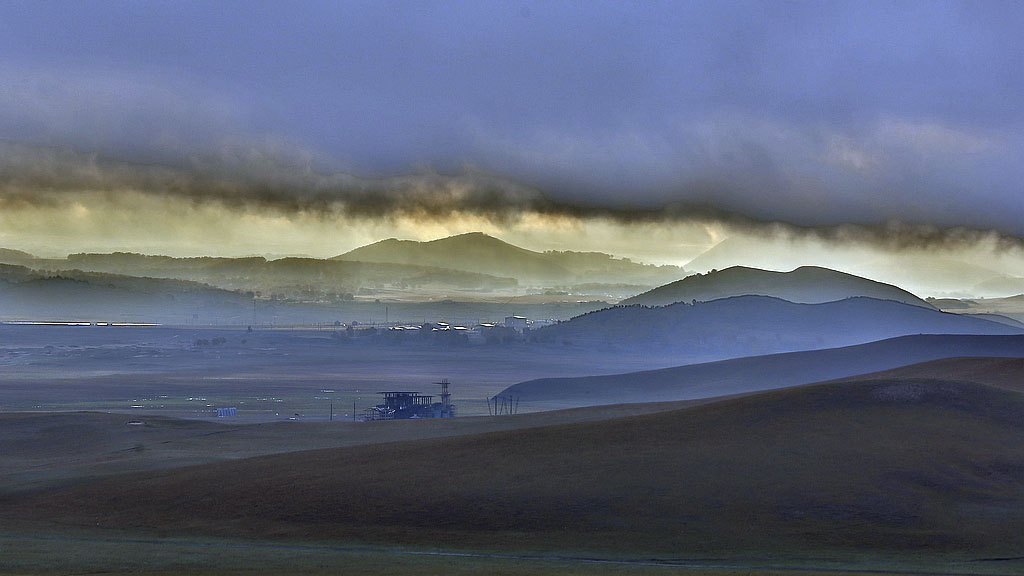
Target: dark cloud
{"x": 825, "y": 119}
{"x": 41, "y": 177}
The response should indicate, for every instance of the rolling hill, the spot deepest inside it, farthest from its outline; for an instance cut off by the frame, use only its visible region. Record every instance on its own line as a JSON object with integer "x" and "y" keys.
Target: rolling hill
{"x": 296, "y": 278}
{"x": 472, "y": 262}
{"x": 922, "y": 272}
{"x": 1005, "y": 373}
{"x": 475, "y": 252}
{"x": 806, "y": 285}
{"x": 16, "y": 257}
{"x": 901, "y": 470}
{"x": 77, "y": 295}
{"x": 756, "y": 325}
{"x": 44, "y": 449}
{"x": 742, "y": 375}
{"x": 478, "y": 265}
{"x": 997, "y": 318}
{"x": 1010, "y": 307}
{"x": 478, "y": 252}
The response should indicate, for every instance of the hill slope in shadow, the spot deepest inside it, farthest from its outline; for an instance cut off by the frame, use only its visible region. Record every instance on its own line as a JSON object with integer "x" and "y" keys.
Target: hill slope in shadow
{"x": 885, "y": 466}
{"x": 806, "y": 285}
{"x": 756, "y": 325}
{"x": 743, "y": 375}
{"x": 45, "y": 449}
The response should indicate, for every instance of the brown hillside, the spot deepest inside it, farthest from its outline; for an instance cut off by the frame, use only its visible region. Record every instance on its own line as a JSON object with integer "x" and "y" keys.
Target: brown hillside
{"x": 932, "y": 466}
{"x": 1000, "y": 372}
{"x": 51, "y": 449}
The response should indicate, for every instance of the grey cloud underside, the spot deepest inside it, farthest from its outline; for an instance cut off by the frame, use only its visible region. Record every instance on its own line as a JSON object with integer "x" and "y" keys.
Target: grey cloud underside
{"x": 38, "y": 177}
{"x": 898, "y": 125}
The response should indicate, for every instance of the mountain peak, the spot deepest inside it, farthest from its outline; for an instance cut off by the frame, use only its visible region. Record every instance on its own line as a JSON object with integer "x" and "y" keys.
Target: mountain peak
{"x": 482, "y": 253}
{"x": 471, "y": 252}
{"x": 471, "y": 237}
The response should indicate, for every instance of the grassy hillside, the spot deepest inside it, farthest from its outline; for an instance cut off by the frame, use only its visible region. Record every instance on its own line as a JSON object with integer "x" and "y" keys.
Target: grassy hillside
{"x": 807, "y": 284}
{"x": 51, "y": 449}
{"x": 894, "y": 468}
{"x": 742, "y": 375}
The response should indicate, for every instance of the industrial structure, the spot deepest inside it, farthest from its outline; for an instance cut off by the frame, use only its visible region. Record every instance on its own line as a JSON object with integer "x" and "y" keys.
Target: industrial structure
{"x": 502, "y": 405}
{"x": 400, "y": 405}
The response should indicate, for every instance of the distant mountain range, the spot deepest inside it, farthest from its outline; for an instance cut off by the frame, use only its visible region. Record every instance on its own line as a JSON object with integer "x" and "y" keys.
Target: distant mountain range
{"x": 755, "y": 325}
{"x": 468, "y": 262}
{"x": 807, "y": 285}
{"x": 296, "y": 291}
{"x": 741, "y": 375}
{"x": 478, "y": 252}
{"x": 293, "y": 278}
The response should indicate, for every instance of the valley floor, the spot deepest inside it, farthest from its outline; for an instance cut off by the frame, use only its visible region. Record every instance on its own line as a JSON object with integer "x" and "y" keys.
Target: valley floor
{"x": 913, "y": 471}
{"x": 76, "y": 551}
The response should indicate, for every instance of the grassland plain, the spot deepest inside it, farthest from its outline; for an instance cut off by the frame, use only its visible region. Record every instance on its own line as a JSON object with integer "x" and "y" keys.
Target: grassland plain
{"x": 50, "y": 449}
{"x": 886, "y": 474}
{"x": 76, "y": 553}
{"x": 268, "y": 375}
{"x": 64, "y": 554}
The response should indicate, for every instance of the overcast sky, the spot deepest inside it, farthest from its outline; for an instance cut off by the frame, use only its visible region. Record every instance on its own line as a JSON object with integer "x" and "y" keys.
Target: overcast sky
{"x": 814, "y": 114}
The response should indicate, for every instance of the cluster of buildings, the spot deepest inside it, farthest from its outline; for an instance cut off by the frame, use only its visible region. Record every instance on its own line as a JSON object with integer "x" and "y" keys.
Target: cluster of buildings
{"x": 478, "y": 331}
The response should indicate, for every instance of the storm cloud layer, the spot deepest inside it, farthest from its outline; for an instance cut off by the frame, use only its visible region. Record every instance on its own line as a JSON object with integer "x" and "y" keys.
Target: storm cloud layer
{"x": 49, "y": 178}
{"x": 893, "y": 124}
